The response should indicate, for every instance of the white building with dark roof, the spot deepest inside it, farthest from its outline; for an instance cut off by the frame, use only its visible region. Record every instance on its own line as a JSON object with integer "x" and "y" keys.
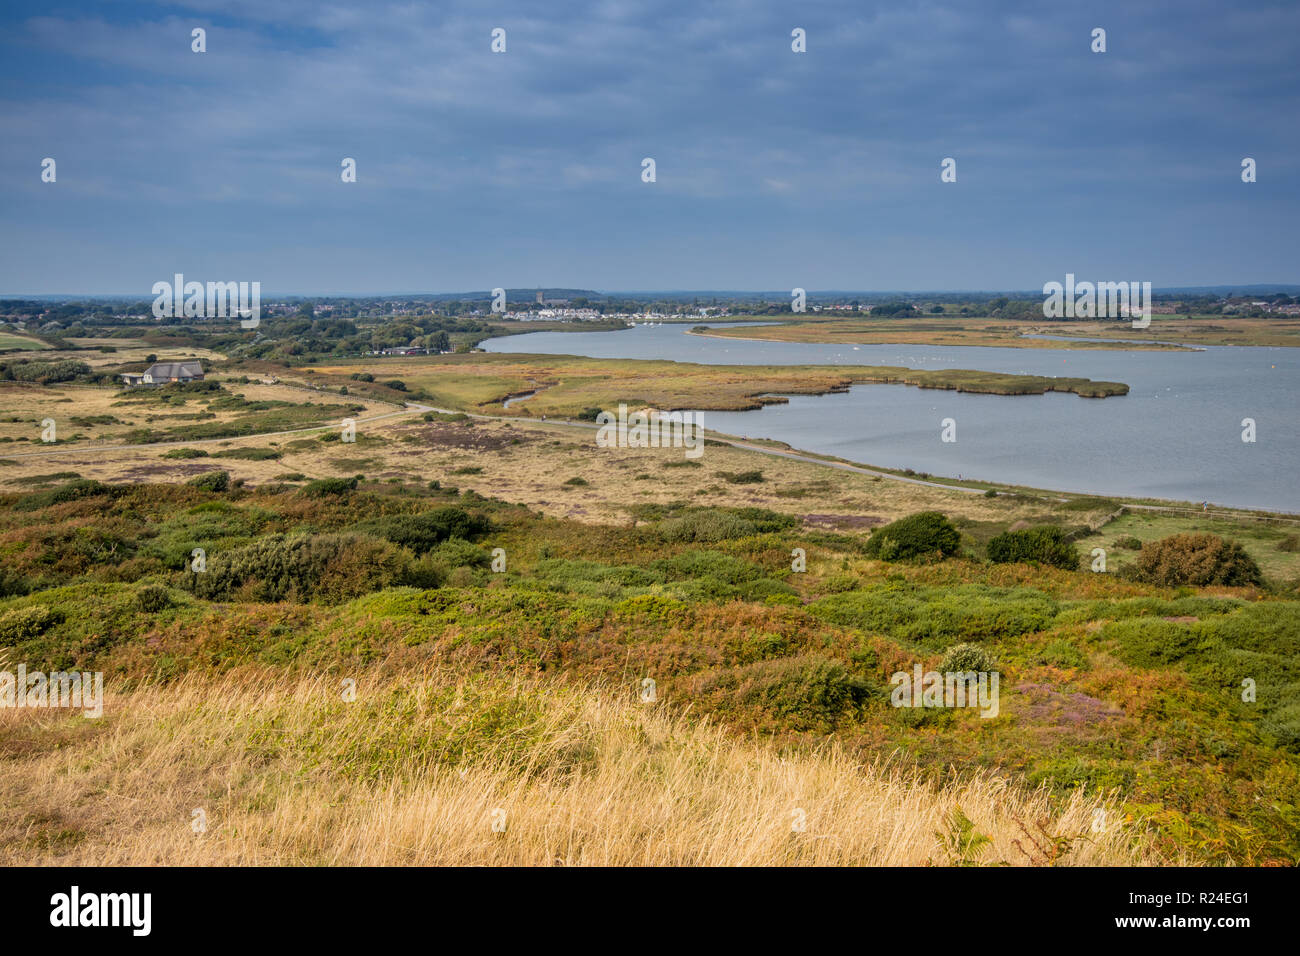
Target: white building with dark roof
{"x": 163, "y": 373}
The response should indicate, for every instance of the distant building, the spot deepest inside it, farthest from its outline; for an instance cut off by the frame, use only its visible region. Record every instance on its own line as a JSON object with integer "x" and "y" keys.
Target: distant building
{"x": 163, "y": 373}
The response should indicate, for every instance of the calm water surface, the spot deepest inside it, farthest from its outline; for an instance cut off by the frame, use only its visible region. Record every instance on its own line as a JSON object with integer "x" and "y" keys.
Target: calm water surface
{"x": 1177, "y": 434}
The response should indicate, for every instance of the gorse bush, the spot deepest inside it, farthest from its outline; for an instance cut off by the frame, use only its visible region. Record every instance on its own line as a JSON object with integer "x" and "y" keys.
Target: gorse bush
{"x": 925, "y": 534}
{"x": 153, "y": 598}
{"x": 741, "y": 477}
{"x": 702, "y": 526}
{"x": 24, "y": 623}
{"x": 326, "y": 567}
{"x": 328, "y": 486}
{"x": 211, "y": 481}
{"x": 423, "y": 532}
{"x": 721, "y": 524}
{"x": 1045, "y": 545}
{"x": 1195, "y": 559}
{"x": 72, "y": 491}
{"x": 939, "y": 617}
{"x": 811, "y": 693}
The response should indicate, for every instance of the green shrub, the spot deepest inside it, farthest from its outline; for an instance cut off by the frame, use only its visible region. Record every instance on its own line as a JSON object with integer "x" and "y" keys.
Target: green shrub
{"x": 1128, "y": 543}
{"x": 741, "y": 477}
{"x": 47, "y": 373}
{"x": 807, "y": 693}
{"x": 421, "y": 533}
{"x": 24, "y": 623}
{"x": 1290, "y": 544}
{"x": 328, "y": 486}
{"x": 328, "y": 567}
{"x": 703, "y": 526}
{"x": 211, "y": 481}
{"x": 925, "y": 534}
{"x": 72, "y": 491}
{"x": 185, "y": 453}
{"x": 577, "y": 481}
{"x": 1043, "y": 545}
{"x": 250, "y": 454}
{"x": 939, "y": 617}
{"x": 1197, "y": 560}
{"x": 153, "y": 598}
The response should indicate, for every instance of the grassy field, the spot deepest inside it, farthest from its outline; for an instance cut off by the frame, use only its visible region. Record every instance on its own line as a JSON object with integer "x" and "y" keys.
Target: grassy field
{"x": 1279, "y": 332}
{"x": 565, "y": 385}
{"x": 85, "y": 413}
{"x": 523, "y": 683}
{"x": 9, "y": 340}
{"x": 1275, "y": 545}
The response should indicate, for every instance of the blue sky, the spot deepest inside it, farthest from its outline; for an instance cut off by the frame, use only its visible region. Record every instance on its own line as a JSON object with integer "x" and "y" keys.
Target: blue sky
{"x": 774, "y": 169}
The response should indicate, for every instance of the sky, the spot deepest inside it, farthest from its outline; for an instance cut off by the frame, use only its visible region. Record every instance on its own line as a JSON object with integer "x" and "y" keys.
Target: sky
{"x": 774, "y": 169}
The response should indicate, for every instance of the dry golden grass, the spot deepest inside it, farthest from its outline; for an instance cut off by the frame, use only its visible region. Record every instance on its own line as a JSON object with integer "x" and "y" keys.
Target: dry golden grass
{"x": 1013, "y": 333}
{"x": 411, "y": 772}
{"x": 949, "y": 330}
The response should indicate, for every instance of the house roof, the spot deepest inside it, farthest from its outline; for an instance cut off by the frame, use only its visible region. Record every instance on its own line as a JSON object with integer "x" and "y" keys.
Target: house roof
{"x": 175, "y": 369}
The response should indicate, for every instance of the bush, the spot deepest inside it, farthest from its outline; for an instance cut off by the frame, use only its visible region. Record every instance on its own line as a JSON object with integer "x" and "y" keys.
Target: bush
{"x": 925, "y": 534}
{"x": 423, "y": 532}
{"x": 940, "y": 616}
{"x": 576, "y": 481}
{"x": 153, "y": 598}
{"x": 24, "y": 623}
{"x": 250, "y": 454}
{"x": 211, "y": 481}
{"x": 1290, "y": 544}
{"x": 710, "y": 525}
{"x": 72, "y": 491}
{"x": 327, "y": 567}
{"x": 1044, "y": 545}
{"x": 961, "y": 658}
{"x": 1195, "y": 559}
{"x": 741, "y": 477}
{"x": 328, "y": 486}
{"x": 48, "y": 373}
{"x": 1128, "y": 543}
{"x": 186, "y": 453}
{"x": 806, "y": 693}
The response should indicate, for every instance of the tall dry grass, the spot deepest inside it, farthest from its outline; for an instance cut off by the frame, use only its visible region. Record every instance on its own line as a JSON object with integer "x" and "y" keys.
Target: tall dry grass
{"x": 411, "y": 772}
